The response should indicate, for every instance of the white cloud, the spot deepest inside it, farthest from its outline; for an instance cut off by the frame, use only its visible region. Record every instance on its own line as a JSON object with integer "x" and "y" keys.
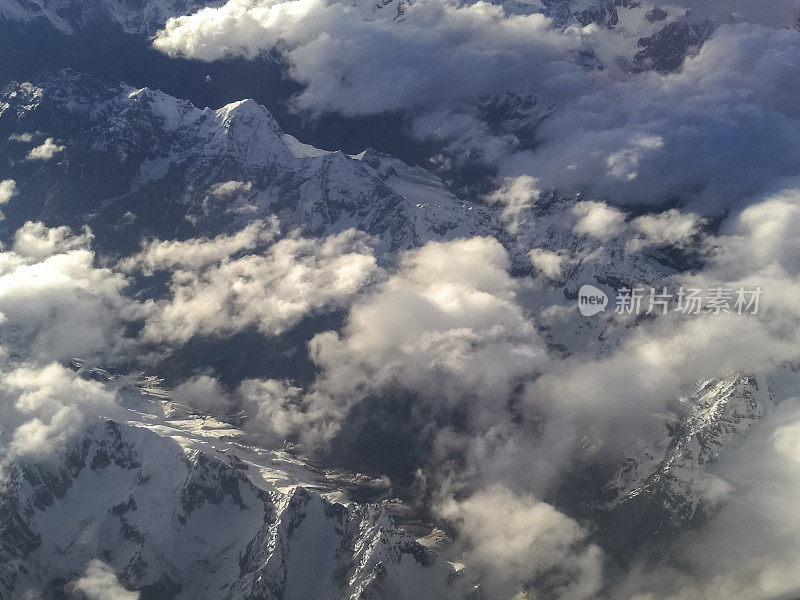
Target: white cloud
{"x": 463, "y": 136}
{"x": 446, "y": 327}
{"x": 597, "y": 219}
{"x": 36, "y": 241}
{"x": 277, "y": 411}
{"x": 671, "y": 228}
{"x": 713, "y": 562}
{"x": 520, "y": 544}
{"x": 447, "y": 324}
{"x": 45, "y": 151}
{"x": 356, "y": 60}
{"x": 44, "y": 407}
{"x": 227, "y": 189}
{"x": 548, "y": 263}
{"x": 8, "y": 189}
{"x": 516, "y": 195}
{"x": 624, "y": 164}
{"x": 55, "y": 303}
{"x": 203, "y": 393}
{"x": 213, "y": 293}
{"x": 652, "y": 139}
{"x": 614, "y": 399}
{"x": 628, "y": 138}
{"x": 769, "y": 231}
{"x": 100, "y": 583}
{"x": 197, "y": 253}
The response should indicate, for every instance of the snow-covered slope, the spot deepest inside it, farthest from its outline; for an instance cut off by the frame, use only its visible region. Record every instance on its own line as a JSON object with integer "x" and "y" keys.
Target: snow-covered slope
{"x": 666, "y": 485}
{"x": 140, "y": 161}
{"x": 180, "y": 507}
{"x": 134, "y": 16}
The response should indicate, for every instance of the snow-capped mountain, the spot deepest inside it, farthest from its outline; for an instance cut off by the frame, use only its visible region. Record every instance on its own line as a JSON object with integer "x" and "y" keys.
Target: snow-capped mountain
{"x": 67, "y": 16}
{"x": 178, "y": 506}
{"x": 515, "y": 113}
{"x": 142, "y": 162}
{"x": 665, "y": 50}
{"x": 135, "y": 163}
{"x": 666, "y": 485}
{"x": 648, "y": 36}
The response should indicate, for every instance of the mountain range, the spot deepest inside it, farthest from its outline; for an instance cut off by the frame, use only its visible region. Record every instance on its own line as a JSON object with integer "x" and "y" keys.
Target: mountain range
{"x": 150, "y": 489}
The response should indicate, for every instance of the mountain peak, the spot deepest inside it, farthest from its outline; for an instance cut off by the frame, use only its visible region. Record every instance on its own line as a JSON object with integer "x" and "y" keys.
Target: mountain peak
{"x": 248, "y": 112}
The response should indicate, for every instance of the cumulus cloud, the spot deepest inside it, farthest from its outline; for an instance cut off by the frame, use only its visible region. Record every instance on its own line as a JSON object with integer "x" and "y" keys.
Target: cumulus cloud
{"x": 55, "y": 304}
{"x": 671, "y": 228}
{"x": 463, "y": 137}
{"x": 445, "y": 328}
{"x": 212, "y": 292}
{"x": 548, "y": 263}
{"x": 21, "y": 137}
{"x": 673, "y": 136}
{"x": 356, "y": 60}
{"x": 203, "y": 393}
{"x": 197, "y": 253}
{"x": 516, "y": 195}
{"x": 44, "y": 407}
{"x": 99, "y": 582}
{"x": 35, "y": 240}
{"x": 624, "y": 164}
{"x": 8, "y": 189}
{"x": 446, "y": 324}
{"x": 766, "y": 229}
{"x": 47, "y": 150}
{"x": 597, "y": 219}
{"x": 277, "y": 411}
{"x": 613, "y": 399}
{"x": 226, "y": 189}
{"x": 520, "y": 544}
{"x": 54, "y": 301}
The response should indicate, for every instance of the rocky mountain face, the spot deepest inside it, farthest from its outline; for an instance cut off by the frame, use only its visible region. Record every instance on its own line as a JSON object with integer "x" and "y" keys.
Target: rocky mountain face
{"x": 141, "y": 162}
{"x": 515, "y": 113}
{"x": 178, "y": 506}
{"x": 668, "y": 484}
{"x": 601, "y": 12}
{"x": 67, "y": 16}
{"x": 666, "y": 50}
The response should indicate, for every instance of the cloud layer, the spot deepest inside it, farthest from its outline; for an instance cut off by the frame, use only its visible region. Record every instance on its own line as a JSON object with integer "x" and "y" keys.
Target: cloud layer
{"x": 630, "y": 138}
{"x": 215, "y": 289}
{"x": 355, "y": 60}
